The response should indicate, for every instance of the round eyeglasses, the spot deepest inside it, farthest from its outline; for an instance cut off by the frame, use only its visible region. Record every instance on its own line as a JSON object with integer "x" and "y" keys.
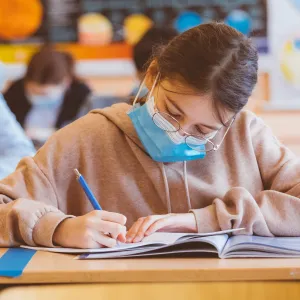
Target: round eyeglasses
{"x": 168, "y": 123}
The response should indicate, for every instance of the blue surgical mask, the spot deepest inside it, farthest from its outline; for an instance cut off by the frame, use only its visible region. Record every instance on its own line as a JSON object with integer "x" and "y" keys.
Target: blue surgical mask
{"x": 162, "y": 146}
{"x": 50, "y": 100}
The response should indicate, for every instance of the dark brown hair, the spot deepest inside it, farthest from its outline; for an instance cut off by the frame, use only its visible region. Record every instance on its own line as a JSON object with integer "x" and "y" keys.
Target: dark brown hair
{"x": 49, "y": 66}
{"x": 213, "y": 59}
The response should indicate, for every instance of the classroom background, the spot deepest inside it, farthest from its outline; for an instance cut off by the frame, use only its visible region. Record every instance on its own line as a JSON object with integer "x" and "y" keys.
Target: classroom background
{"x": 101, "y": 35}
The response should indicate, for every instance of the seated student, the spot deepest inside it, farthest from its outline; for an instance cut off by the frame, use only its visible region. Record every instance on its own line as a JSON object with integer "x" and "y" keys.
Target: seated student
{"x": 49, "y": 96}
{"x": 143, "y": 51}
{"x": 14, "y": 145}
{"x": 187, "y": 160}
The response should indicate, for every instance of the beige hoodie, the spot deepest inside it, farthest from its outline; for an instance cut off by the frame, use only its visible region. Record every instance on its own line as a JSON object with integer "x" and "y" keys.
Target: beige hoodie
{"x": 252, "y": 181}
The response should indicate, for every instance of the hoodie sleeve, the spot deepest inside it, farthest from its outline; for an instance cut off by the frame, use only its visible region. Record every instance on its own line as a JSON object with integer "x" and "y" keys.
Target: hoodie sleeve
{"x": 23, "y": 220}
{"x": 34, "y": 197}
{"x": 274, "y": 211}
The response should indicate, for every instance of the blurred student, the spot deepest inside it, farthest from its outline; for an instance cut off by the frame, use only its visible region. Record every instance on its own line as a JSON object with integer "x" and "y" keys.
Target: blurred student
{"x": 49, "y": 96}
{"x": 143, "y": 52}
{"x": 14, "y": 145}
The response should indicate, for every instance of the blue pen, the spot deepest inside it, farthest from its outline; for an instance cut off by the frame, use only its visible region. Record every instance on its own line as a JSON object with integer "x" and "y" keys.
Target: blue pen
{"x": 87, "y": 191}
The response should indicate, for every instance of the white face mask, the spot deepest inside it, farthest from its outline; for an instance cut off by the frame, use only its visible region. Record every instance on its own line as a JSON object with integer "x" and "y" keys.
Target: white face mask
{"x": 175, "y": 136}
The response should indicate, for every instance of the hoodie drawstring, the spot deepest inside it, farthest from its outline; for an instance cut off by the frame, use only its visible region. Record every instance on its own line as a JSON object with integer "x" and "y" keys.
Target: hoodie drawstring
{"x": 167, "y": 189}
{"x": 186, "y": 186}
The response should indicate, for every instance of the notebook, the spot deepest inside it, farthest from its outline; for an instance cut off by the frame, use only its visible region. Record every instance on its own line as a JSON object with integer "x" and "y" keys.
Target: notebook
{"x": 218, "y": 244}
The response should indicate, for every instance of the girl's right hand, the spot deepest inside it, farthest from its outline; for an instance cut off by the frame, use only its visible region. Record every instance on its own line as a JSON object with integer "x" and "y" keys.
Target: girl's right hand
{"x": 93, "y": 230}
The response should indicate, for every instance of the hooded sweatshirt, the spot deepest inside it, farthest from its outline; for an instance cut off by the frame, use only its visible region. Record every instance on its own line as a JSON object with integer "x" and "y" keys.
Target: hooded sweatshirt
{"x": 252, "y": 181}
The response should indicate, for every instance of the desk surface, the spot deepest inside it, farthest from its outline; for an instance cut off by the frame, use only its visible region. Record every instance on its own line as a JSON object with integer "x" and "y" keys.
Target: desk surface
{"x": 46, "y": 267}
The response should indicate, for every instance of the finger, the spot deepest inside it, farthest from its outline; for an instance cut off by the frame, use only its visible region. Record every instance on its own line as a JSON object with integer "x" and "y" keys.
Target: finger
{"x": 103, "y": 239}
{"x": 122, "y": 238}
{"x": 159, "y": 224}
{"x": 144, "y": 227}
{"x": 110, "y": 227}
{"x": 111, "y": 216}
{"x": 133, "y": 230}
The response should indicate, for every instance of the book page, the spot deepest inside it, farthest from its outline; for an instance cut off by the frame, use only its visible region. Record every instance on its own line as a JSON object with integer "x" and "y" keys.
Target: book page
{"x": 157, "y": 239}
{"x": 171, "y": 238}
{"x": 196, "y": 244}
{"x": 269, "y": 244}
{"x": 119, "y": 247}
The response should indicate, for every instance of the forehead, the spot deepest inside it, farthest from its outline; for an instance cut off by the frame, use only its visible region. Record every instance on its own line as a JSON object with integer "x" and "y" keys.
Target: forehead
{"x": 196, "y": 106}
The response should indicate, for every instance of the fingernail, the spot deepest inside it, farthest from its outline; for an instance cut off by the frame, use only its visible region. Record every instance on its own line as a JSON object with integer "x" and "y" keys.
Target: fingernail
{"x": 138, "y": 238}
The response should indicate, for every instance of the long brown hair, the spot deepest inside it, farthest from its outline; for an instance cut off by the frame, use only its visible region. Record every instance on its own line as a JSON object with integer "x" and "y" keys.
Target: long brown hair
{"x": 213, "y": 59}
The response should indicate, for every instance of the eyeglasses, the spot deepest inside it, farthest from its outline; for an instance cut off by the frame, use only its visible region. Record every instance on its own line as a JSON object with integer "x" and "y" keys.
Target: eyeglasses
{"x": 194, "y": 141}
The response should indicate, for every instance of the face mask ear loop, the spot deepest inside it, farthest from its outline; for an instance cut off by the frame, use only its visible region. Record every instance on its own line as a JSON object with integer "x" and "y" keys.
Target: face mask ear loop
{"x": 141, "y": 87}
{"x": 139, "y": 91}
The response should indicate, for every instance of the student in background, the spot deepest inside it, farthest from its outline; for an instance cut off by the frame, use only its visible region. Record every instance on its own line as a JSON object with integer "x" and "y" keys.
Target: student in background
{"x": 142, "y": 53}
{"x": 49, "y": 96}
{"x": 144, "y": 49}
{"x": 14, "y": 145}
{"x": 185, "y": 158}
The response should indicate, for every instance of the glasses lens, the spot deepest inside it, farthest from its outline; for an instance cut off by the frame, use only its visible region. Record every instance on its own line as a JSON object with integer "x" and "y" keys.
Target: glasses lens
{"x": 199, "y": 144}
{"x": 166, "y": 122}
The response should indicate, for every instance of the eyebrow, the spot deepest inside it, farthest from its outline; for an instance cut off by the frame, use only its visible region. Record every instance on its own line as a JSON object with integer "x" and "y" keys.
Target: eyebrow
{"x": 179, "y": 109}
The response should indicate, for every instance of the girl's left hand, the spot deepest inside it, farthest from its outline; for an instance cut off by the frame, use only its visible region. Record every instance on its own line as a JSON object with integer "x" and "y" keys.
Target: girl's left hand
{"x": 167, "y": 223}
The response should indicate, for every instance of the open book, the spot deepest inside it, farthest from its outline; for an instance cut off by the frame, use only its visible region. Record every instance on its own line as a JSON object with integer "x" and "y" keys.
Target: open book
{"x": 182, "y": 244}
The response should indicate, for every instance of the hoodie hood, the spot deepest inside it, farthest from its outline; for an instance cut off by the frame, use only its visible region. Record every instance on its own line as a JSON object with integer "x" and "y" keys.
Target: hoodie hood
{"x": 117, "y": 114}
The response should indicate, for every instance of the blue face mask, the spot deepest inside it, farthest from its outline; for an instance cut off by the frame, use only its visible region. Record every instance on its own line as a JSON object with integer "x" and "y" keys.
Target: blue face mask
{"x": 52, "y": 99}
{"x": 157, "y": 142}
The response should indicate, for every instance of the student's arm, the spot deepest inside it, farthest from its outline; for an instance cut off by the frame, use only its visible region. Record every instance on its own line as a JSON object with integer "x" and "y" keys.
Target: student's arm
{"x": 274, "y": 211}
{"x": 33, "y": 197}
{"x": 26, "y": 221}
{"x": 14, "y": 145}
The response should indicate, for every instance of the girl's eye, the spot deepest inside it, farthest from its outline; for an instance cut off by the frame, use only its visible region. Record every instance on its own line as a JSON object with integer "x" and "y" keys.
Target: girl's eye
{"x": 201, "y": 131}
{"x": 171, "y": 113}
{"x": 174, "y": 115}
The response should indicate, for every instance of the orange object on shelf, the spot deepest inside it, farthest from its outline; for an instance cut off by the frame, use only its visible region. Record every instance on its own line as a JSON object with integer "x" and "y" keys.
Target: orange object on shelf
{"x": 19, "y": 19}
{"x": 22, "y": 53}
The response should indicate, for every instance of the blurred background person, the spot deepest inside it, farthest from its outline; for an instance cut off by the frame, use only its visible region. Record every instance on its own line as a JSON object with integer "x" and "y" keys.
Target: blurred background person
{"x": 14, "y": 144}
{"x": 142, "y": 54}
{"x": 49, "y": 97}
{"x": 143, "y": 51}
